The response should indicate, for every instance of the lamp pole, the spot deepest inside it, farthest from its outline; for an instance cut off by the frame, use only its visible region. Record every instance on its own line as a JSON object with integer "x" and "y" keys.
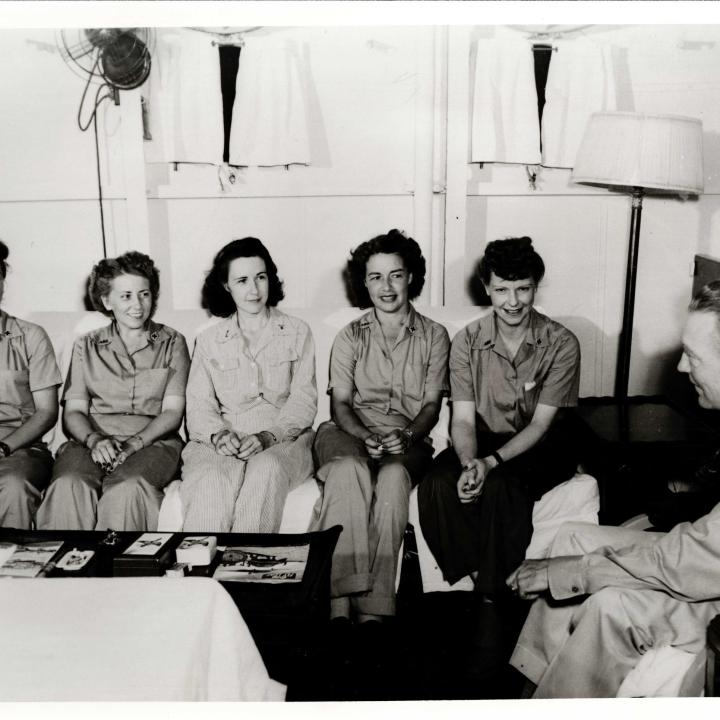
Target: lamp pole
{"x": 622, "y": 374}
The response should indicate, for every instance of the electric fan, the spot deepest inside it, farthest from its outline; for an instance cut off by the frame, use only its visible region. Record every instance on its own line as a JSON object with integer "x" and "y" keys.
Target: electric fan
{"x": 113, "y": 58}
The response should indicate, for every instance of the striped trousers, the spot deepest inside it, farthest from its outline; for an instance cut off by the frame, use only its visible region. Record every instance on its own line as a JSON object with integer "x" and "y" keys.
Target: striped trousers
{"x": 223, "y": 494}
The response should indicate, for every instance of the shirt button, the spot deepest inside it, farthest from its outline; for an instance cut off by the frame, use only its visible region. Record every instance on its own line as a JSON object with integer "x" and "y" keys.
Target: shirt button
{"x": 575, "y": 588}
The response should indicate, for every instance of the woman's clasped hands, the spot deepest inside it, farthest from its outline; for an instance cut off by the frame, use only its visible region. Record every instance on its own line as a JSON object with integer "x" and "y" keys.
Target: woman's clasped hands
{"x": 242, "y": 447}
{"x": 109, "y": 451}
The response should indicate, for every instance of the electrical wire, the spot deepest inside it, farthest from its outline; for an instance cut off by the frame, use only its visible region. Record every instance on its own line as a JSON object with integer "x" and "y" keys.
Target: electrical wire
{"x": 83, "y": 127}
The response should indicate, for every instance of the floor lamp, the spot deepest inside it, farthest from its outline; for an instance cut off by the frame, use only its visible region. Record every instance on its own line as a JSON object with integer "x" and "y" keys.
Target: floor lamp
{"x": 637, "y": 153}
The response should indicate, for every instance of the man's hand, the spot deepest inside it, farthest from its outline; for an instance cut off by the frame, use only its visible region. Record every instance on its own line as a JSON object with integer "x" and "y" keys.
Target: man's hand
{"x": 471, "y": 480}
{"x": 530, "y": 580}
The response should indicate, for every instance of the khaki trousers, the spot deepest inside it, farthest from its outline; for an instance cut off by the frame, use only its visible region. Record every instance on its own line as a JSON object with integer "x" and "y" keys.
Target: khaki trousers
{"x": 23, "y": 477}
{"x": 83, "y": 497}
{"x": 370, "y": 500}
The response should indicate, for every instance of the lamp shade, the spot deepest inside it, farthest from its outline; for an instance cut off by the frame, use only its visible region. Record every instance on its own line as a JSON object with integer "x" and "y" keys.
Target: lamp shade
{"x": 661, "y": 153}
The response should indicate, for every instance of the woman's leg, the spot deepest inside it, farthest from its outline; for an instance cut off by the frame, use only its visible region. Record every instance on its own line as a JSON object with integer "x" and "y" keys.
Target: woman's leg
{"x": 346, "y": 500}
{"x": 23, "y": 477}
{"x": 132, "y": 494}
{"x": 396, "y": 476}
{"x": 71, "y": 499}
{"x": 209, "y": 489}
{"x": 449, "y": 526}
{"x": 269, "y": 476}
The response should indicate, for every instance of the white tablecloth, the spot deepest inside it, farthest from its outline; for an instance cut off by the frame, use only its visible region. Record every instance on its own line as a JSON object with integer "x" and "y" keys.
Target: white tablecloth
{"x": 127, "y": 639}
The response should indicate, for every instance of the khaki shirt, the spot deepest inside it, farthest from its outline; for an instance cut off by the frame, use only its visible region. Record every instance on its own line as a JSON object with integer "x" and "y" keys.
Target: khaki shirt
{"x": 389, "y": 390}
{"x": 27, "y": 363}
{"x": 274, "y": 389}
{"x": 682, "y": 563}
{"x": 546, "y": 369}
{"x": 125, "y": 392}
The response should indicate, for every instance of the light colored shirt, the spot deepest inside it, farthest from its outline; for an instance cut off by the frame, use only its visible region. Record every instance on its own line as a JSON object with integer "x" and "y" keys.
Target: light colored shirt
{"x": 389, "y": 386}
{"x": 27, "y": 364}
{"x": 125, "y": 391}
{"x": 546, "y": 369}
{"x": 272, "y": 388}
{"x": 684, "y": 563}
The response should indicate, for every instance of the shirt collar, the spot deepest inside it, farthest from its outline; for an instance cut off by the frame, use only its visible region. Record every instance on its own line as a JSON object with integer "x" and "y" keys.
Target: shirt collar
{"x": 412, "y": 325}
{"x": 537, "y": 334}
{"x": 109, "y": 335}
{"x": 9, "y": 326}
{"x": 229, "y": 329}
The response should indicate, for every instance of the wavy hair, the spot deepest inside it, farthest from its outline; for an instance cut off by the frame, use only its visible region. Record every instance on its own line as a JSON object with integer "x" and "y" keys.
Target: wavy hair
{"x": 215, "y": 298}
{"x": 131, "y": 263}
{"x": 393, "y": 242}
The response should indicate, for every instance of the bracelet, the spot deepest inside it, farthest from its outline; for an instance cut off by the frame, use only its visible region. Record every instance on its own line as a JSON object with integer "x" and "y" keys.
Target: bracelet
{"x": 88, "y": 436}
{"x": 498, "y": 457}
{"x": 137, "y": 437}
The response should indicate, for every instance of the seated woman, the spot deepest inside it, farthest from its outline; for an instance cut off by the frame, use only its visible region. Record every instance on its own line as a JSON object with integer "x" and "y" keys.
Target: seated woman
{"x": 388, "y": 372}
{"x": 123, "y": 405}
{"x": 29, "y": 379}
{"x": 510, "y": 373}
{"x": 252, "y": 399}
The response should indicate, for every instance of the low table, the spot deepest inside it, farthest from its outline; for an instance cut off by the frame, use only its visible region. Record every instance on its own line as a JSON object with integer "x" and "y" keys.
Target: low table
{"x": 283, "y": 618}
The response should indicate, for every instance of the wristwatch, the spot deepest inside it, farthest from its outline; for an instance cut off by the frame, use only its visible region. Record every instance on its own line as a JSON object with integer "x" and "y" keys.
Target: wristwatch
{"x": 409, "y": 434}
{"x": 6, "y": 451}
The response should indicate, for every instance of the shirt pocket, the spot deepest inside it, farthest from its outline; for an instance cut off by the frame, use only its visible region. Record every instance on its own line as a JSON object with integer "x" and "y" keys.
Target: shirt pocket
{"x": 150, "y": 390}
{"x": 15, "y": 388}
{"x": 528, "y": 395}
{"x": 230, "y": 378}
{"x": 280, "y": 368}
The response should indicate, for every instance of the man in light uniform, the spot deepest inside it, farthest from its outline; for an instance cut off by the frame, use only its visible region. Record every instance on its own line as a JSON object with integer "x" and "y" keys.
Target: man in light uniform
{"x": 645, "y": 589}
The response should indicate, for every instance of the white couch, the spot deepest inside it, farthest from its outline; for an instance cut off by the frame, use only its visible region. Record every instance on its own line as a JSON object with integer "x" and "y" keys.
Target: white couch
{"x": 576, "y": 500}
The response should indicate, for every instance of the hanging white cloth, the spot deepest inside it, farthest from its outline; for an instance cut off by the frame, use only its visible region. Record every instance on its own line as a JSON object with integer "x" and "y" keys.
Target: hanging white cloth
{"x": 185, "y": 111}
{"x": 580, "y": 81}
{"x": 505, "y": 126}
{"x": 269, "y": 120}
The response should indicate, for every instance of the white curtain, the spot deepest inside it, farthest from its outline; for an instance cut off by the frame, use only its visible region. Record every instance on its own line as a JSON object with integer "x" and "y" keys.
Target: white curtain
{"x": 505, "y": 115}
{"x": 580, "y": 82}
{"x": 185, "y": 100}
{"x": 269, "y": 121}
{"x": 505, "y": 126}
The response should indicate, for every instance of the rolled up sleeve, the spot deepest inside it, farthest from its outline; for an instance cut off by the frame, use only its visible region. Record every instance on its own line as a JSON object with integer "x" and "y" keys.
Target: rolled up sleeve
{"x": 179, "y": 368}
{"x": 75, "y": 385}
{"x": 436, "y": 379}
{"x": 342, "y": 362}
{"x": 561, "y": 385}
{"x": 42, "y": 366}
{"x": 461, "y": 380}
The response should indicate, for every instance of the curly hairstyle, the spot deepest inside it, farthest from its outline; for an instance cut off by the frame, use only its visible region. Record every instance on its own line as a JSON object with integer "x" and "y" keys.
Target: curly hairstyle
{"x": 511, "y": 259}
{"x": 4, "y": 252}
{"x": 131, "y": 263}
{"x": 394, "y": 242}
{"x": 215, "y": 298}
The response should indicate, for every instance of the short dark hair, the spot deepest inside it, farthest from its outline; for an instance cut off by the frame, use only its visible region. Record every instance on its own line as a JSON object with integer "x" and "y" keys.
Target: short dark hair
{"x": 394, "y": 242}
{"x": 4, "y": 252}
{"x": 707, "y": 299}
{"x": 131, "y": 263}
{"x": 215, "y": 298}
{"x": 511, "y": 259}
